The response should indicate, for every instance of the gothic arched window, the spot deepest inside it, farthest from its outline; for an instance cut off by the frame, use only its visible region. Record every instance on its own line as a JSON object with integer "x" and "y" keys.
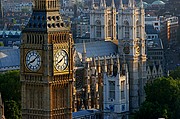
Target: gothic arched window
{"x": 126, "y": 29}
{"x": 109, "y": 28}
{"x": 98, "y": 28}
{"x": 137, "y": 29}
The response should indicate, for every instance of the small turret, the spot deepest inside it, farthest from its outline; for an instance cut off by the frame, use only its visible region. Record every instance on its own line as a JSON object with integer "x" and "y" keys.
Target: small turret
{"x": 129, "y": 3}
{"x": 92, "y": 5}
{"x": 121, "y": 4}
{"x": 133, "y": 3}
{"x": 101, "y": 4}
{"x": 113, "y": 4}
{"x": 141, "y": 4}
{"x": 104, "y": 3}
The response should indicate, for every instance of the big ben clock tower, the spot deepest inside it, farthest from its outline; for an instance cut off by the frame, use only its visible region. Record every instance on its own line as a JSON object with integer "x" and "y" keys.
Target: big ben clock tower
{"x": 46, "y": 64}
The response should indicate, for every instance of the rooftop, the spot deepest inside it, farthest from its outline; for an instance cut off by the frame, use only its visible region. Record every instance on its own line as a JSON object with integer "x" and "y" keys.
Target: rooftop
{"x": 98, "y": 48}
{"x": 158, "y": 2}
{"x": 9, "y": 57}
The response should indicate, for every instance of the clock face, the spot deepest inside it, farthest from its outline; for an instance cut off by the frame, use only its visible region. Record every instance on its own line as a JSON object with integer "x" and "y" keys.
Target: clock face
{"x": 33, "y": 60}
{"x": 61, "y": 60}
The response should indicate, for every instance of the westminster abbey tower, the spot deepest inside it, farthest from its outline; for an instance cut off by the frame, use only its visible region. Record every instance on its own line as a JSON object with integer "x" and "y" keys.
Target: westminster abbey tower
{"x": 129, "y": 30}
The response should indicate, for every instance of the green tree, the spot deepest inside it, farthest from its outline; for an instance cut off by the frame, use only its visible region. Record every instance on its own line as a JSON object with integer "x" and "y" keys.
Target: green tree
{"x": 162, "y": 100}
{"x": 1, "y": 44}
{"x": 14, "y": 21}
{"x": 10, "y": 88}
{"x": 12, "y": 110}
{"x": 175, "y": 73}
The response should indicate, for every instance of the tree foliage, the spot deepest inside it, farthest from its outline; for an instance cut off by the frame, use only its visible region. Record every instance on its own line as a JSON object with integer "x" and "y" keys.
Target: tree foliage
{"x": 1, "y": 44}
{"x": 162, "y": 100}
{"x": 175, "y": 74}
{"x": 10, "y": 89}
{"x": 12, "y": 110}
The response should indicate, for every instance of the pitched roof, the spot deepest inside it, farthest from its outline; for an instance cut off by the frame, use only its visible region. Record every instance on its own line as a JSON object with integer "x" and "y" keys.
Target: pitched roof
{"x": 98, "y": 48}
{"x": 9, "y": 57}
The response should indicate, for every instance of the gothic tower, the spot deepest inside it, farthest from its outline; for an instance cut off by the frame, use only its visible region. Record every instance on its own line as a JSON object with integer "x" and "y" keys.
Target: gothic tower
{"x": 131, "y": 38}
{"x": 103, "y": 21}
{"x": 46, "y": 64}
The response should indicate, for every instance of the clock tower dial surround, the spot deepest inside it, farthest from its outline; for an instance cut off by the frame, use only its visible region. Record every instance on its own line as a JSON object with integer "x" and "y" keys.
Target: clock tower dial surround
{"x": 46, "y": 64}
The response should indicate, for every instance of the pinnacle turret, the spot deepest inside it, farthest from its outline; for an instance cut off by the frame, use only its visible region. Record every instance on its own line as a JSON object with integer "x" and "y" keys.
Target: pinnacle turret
{"x": 129, "y": 3}
{"x": 121, "y": 4}
{"x": 113, "y": 4}
{"x": 141, "y": 4}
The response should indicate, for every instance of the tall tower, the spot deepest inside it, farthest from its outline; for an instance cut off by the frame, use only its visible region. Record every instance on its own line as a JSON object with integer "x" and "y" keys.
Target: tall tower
{"x": 131, "y": 38}
{"x": 46, "y": 64}
{"x": 103, "y": 21}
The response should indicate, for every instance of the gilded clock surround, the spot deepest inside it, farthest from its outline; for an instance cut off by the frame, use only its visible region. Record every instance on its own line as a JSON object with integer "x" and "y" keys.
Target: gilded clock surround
{"x": 61, "y": 60}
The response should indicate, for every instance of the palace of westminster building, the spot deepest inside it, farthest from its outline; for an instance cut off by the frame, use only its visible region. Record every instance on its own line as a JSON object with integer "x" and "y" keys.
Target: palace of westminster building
{"x": 59, "y": 77}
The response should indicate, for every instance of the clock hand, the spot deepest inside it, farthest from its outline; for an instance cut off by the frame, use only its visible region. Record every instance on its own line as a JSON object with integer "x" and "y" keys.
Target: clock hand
{"x": 60, "y": 60}
{"x": 33, "y": 60}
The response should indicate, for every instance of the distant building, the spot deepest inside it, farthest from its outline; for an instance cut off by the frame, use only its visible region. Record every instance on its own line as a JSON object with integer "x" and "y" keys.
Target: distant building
{"x": 10, "y": 38}
{"x": 151, "y": 32}
{"x": 155, "y": 59}
{"x": 169, "y": 26}
{"x": 82, "y": 26}
{"x": 155, "y": 52}
{"x": 158, "y": 4}
{"x": 153, "y": 20}
{"x": 17, "y": 7}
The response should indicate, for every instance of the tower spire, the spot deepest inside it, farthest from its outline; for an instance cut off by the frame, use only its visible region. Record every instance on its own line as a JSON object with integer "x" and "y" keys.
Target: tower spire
{"x": 113, "y": 4}
{"x": 93, "y": 4}
{"x": 129, "y": 3}
{"x": 133, "y": 3}
{"x": 120, "y": 4}
{"x": 104, "y": 3}
{"x": 141, "y": 4}
{"x": 101, "y": 4}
